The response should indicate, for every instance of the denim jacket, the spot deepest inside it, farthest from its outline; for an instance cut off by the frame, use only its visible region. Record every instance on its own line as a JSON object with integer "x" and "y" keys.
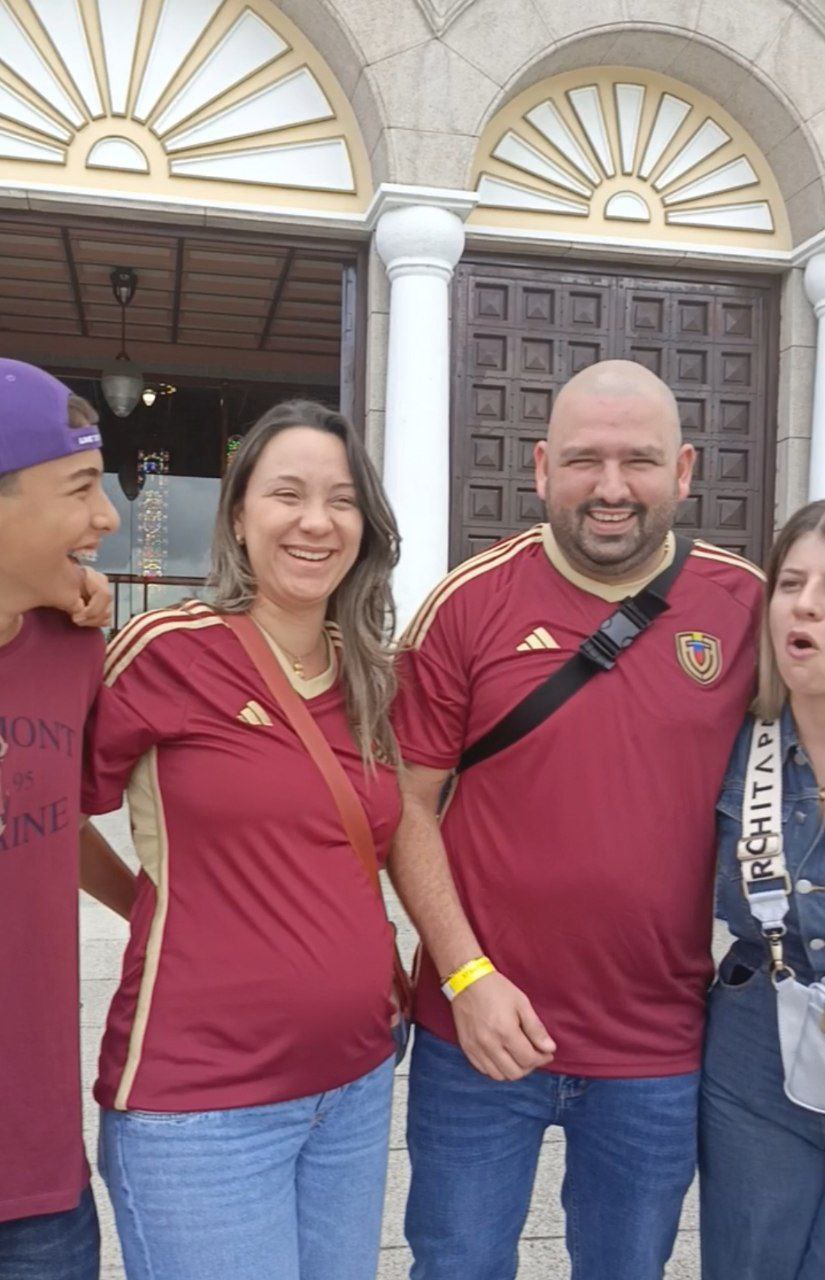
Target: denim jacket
{"x": 804, "y": 846}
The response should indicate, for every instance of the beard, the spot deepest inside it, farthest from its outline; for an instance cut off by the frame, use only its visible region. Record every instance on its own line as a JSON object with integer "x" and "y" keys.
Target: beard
{"x": 604, "y": 555}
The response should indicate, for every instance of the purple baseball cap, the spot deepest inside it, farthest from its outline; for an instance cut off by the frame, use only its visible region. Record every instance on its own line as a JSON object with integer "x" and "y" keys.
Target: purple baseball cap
{"x": 34, "y": 419}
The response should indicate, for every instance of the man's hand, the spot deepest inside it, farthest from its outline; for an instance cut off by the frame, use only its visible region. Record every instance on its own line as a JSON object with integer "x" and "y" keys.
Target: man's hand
{"x": 499, "y": 1030}
{"x": 95, "y": 602}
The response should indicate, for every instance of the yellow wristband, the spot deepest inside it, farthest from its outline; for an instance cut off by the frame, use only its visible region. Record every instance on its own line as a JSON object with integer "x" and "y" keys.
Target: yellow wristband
{"x": 466, "y": 976}
{"x": 465, "y": 968}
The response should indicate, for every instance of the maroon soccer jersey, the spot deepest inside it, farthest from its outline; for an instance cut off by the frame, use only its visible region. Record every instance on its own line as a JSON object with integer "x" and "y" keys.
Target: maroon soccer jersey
{"x": 259, "y": 963}
{"x": 48, "y": 677}
{"x": 584, "y": 853}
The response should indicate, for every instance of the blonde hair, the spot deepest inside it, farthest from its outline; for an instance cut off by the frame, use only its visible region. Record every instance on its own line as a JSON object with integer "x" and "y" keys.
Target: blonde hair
{"x": 361, "y": 605}
{"x": 772, "y": 692}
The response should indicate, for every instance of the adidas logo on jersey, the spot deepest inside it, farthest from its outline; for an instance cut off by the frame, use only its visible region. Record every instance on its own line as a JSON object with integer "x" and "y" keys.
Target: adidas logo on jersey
{"x": 253, "y": 713}
{"x": 538, "y": 639}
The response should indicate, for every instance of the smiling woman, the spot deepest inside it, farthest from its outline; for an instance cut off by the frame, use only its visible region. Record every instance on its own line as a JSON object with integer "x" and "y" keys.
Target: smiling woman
{"x": 304, "y": 534}
{"x": 257, "y": 995}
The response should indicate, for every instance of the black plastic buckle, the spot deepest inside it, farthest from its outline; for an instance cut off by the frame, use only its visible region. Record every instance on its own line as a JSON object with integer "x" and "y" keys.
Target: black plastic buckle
{"x": 615, "y": 634}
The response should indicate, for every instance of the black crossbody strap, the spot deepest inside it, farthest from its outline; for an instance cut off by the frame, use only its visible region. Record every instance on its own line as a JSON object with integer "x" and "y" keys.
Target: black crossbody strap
{"x": 598, "y": 652}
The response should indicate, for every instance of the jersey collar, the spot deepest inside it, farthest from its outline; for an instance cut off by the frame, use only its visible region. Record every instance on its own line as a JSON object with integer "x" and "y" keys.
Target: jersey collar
{"x": 315, "y": 685}
{"x": 610, "y": 591}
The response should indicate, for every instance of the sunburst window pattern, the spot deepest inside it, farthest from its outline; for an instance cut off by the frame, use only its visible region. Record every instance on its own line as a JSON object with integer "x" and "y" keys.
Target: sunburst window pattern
{"x": 626, "y": 147}
{"x": 205, "y": 89}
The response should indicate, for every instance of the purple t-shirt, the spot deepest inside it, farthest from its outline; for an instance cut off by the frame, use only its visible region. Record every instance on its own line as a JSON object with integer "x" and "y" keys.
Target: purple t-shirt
{"x": 48, "y": 677}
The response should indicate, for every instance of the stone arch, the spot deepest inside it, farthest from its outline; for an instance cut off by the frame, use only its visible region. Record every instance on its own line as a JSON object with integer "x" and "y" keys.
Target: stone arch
{"x": 740, "y": 86}
{"x": 339, "y": 46}
{"x": 223, "y": 102}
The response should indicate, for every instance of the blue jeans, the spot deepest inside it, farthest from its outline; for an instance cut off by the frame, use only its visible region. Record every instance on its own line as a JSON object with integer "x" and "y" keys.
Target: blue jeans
{"x": 474, "y": 1145}
{"x": 52, "y": 1246}
{"x": 762, "y": 1157}
{"x": 290, "y": 1191}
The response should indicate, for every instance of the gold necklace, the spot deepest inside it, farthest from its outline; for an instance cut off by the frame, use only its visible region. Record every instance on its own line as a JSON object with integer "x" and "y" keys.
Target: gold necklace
{"x": 294, "y": 658}
{"x": 297, "y": 663}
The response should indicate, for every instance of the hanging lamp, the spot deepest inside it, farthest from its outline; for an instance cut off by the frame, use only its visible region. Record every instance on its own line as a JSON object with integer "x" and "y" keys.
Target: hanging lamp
{"x": 122, "y": 380}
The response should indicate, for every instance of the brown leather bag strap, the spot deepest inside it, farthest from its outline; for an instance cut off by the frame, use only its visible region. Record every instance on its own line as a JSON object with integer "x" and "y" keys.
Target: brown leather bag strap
{"x": 351, "y": 810}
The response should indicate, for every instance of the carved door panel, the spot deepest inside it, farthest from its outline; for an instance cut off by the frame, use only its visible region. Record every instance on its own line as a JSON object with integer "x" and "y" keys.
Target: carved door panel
{"x": 712, "y": 345}
{"x": 521, "y": 331}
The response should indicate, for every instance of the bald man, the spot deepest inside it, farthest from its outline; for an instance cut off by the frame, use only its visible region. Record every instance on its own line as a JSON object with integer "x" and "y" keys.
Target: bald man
{"x": 565, "y": 901}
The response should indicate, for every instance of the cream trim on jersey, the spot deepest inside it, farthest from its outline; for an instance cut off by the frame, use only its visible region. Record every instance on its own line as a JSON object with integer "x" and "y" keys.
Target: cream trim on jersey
{"x": 417, "y": 630}
{"x": 152, "y": 844}
{"x": 138, "y": 633}
{"x": 707, "y": 551}
{"x": 120, "y": 641}
{"x": 610, "y": 591}
{"x": 143, "y": 809}
{"x": 315, "y": 685}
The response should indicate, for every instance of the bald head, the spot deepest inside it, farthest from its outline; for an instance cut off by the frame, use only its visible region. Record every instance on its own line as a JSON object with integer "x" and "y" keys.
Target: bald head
{"x": 611, "y": 380}
{"x": 613, "y": 469}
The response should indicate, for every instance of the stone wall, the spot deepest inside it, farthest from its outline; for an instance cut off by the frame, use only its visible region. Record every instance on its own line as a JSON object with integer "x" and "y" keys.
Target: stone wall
{"x": 797, "y": 350}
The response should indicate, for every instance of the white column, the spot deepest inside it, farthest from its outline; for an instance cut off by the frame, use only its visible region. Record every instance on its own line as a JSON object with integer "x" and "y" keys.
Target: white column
{"x": 419, "y": 245}
{"x": 815, "y": 289}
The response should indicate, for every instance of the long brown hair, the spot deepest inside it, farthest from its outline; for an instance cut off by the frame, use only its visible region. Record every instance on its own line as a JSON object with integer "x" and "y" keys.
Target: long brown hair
{"x": 772, "y": 691}
{"x": 361, "y": 605}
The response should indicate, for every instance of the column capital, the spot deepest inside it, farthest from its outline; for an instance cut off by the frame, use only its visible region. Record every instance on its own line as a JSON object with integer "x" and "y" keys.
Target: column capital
{"x": 419, "y": 230}
{"x": 397, "y": 195}
{"x": 815, "y": 283}
{"x": 419, "y": 240}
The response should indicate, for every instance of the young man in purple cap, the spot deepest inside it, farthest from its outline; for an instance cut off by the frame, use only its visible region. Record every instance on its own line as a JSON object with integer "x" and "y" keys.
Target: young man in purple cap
{"x": 52, "y": 510}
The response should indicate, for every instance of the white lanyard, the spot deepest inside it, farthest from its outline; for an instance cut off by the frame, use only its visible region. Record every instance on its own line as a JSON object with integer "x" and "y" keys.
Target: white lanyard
{"x": 765, "y": 880}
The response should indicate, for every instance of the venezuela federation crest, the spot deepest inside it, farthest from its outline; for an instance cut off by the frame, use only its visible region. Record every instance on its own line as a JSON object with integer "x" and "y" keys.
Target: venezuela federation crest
{"x": 700, "y": 655}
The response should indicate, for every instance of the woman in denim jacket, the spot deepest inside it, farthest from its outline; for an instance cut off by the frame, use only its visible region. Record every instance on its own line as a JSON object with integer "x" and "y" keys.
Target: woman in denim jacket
{"x": 762, "y": 1157}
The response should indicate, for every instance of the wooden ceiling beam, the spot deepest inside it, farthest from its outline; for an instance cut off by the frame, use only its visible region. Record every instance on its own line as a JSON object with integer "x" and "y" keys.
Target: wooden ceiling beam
{"x": 277, "y": 294}
{"x": 178, "y": 288}
{"x": 75, "y": 282}
{"x": 194, "y": 357}
{"x": 203, "y": 296}
{"x": 331, "y": 250}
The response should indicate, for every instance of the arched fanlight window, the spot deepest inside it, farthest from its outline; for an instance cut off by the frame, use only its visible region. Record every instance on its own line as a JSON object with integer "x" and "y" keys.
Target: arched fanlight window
{"x": 612, "y": 152}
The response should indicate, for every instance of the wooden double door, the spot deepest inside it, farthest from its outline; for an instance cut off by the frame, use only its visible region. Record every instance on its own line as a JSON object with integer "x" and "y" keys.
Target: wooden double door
{"x": 521, "y": 330}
